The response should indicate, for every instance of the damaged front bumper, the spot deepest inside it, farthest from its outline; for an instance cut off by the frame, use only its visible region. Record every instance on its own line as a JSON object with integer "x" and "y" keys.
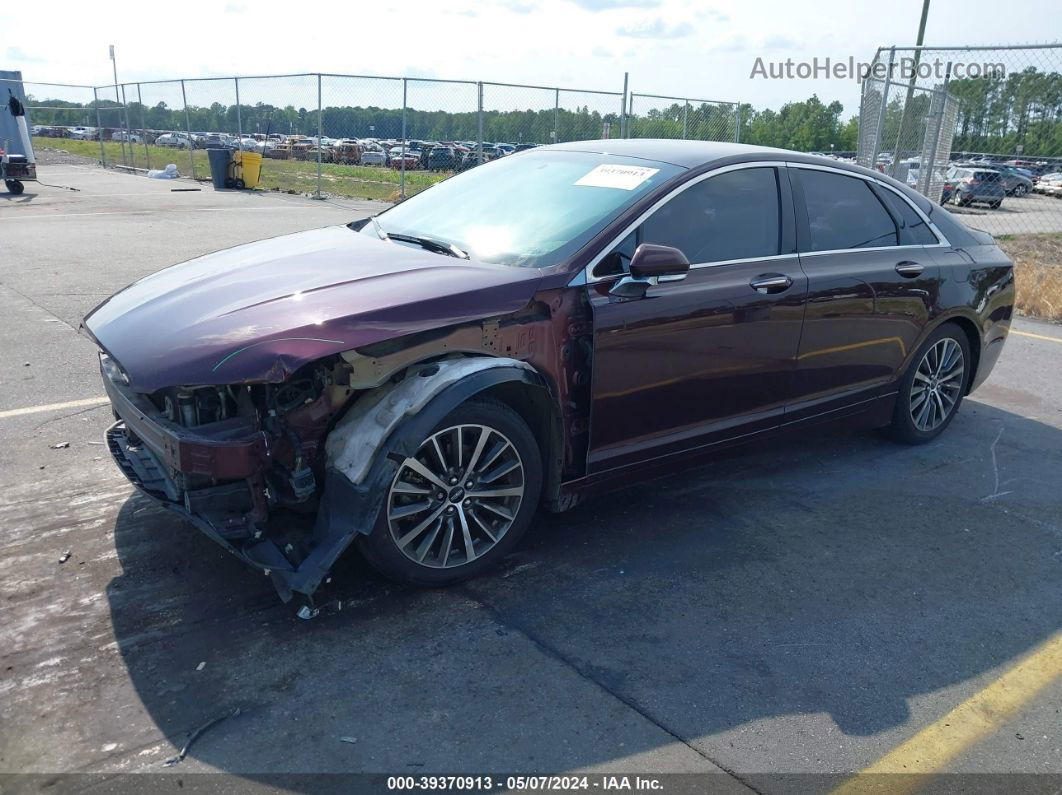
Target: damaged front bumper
{"x": 213, "y": 476}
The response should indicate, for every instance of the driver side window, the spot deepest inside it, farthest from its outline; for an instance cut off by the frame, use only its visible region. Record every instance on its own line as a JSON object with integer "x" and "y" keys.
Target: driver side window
{"x": 734, "y": 215}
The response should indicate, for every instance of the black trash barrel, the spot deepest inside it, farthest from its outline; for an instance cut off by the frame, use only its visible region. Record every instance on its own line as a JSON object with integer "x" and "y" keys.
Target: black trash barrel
{"x": 219, "y": 166}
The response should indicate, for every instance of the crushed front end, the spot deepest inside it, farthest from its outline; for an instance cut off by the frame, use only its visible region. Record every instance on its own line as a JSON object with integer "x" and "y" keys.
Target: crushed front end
{"x": 241, "y": 462}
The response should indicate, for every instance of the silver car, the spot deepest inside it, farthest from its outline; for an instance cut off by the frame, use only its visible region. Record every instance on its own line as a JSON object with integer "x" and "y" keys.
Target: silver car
{"x": 374, "y": 157}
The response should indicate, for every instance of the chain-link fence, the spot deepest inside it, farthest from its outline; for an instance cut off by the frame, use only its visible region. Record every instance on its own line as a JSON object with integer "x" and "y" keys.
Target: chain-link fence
{"x": 977, "y": 128}
{"x": 905, "y": 131}
{"x": 347, "y": 135}
{"x": 655, "y": 116}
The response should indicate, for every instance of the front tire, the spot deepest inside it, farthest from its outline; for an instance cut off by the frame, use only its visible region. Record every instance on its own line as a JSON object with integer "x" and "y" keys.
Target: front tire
{"x": 933, "y": 387}
{"x": 462, "y": 502}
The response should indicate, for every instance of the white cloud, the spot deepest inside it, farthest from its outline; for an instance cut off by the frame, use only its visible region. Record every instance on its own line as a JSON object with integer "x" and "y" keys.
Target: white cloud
{"x": 656, "y": 29}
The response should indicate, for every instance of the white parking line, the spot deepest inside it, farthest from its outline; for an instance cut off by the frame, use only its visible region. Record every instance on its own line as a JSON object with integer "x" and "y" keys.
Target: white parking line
{"x": 156, "y": 212}
{"x": 70, "y": 404}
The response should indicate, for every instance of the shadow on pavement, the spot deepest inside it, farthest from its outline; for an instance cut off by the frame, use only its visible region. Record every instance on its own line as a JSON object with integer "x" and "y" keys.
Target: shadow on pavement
{"x": 829, "y": 580}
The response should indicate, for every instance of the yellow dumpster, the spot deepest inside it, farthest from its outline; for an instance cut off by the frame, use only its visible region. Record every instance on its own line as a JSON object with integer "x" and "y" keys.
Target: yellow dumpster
{"x": 246, "y": 169}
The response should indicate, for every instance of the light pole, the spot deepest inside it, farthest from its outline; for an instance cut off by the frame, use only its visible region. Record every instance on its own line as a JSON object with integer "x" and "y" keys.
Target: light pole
{"x": 114, "y": 65}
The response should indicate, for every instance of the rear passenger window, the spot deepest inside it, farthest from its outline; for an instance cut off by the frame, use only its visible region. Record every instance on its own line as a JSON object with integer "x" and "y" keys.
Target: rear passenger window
{"x": 843, "y": 213}
{"x": 913, "y": 230}
{"x": 734, "y": 215}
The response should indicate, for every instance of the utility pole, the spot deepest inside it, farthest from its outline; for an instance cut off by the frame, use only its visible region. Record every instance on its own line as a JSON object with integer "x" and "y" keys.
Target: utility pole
{"x": 910, "y": 87}
{"x": 118, "y": 99}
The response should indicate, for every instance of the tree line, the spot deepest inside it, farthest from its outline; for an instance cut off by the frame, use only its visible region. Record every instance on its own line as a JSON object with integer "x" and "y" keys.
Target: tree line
{"x": 995, "y": 114}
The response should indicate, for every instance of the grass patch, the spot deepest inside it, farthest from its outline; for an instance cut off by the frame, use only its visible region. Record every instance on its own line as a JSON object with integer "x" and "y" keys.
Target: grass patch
{"x": 360, "y": 182}
{"x": 1037, "y": 273}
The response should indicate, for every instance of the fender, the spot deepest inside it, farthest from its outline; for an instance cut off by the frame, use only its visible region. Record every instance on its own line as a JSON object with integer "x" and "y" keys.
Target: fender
{"x": 381, "y": 430}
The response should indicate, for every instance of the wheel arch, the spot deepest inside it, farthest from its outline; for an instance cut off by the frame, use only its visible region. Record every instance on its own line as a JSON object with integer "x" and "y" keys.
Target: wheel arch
{"x": 386, "y": 425}
{"x": 967, "y": 323}
{"x": 973, "y": 337}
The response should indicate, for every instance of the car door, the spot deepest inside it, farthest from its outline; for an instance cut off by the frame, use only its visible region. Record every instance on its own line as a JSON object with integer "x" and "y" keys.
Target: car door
{"x": 871, "y": 288}
{"x": 710, "y": 357}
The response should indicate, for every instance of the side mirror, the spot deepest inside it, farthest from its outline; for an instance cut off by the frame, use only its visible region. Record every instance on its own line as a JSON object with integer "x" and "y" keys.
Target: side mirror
{"x": 664, "y": 263}
{"x": 651, "y": 265}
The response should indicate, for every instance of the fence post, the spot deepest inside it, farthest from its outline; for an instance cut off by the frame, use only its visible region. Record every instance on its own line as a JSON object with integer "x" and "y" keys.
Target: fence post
{"x": 402, "y": 176}
{"x": 239, "y": 122}
{"x": 880, "y": 131}
{"x": 143, "y": 129}
{"x": 685, "y": 119}
{"x": 320, "y": 134}
{"x": 128, "y": 138}
{"x": 479, "y": 120}
{"x": 556, "y": 115}
{"x": 623, "y": 106}
{"x": 926, "y": 169}
{"x": 737, "y": 123}
{"x": 99, "y": 126}
{"x": 188, "y": 127}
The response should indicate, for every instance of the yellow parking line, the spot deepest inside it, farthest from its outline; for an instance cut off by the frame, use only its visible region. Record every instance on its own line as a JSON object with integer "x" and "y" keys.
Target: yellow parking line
{"x": 1035, "y": 336}
{"x": 71, "y": 404}
{"x": 933, "y": 748}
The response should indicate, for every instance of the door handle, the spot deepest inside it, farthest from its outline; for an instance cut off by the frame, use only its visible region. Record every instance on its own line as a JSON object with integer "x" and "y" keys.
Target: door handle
{"x": 771, "y": 283}
{"x": 909, "y": 269}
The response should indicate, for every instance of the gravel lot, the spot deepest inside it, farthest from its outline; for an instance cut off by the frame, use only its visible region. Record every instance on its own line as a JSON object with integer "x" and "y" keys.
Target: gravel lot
{"x": 803, "y": 609}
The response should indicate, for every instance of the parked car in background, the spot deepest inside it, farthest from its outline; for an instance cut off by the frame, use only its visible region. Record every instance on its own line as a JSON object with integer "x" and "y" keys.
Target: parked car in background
{"x": 178, "y": 140}
{"x": 1016, "y": 181}
{"x": 214, "y": 141}
{"x": 1050, "y": 184}
{"x": 82, "y": 133}
{"x": 442, "y": 158}
{"x": 374, "y": 157}
{"x": 410, "y": 159}
{"x": 977, "y": 184}
{"x": 529, "y": 333}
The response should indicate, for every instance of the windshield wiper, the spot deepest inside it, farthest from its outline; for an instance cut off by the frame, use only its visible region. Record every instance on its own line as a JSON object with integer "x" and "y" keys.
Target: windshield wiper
{"x": 429, "y": 243}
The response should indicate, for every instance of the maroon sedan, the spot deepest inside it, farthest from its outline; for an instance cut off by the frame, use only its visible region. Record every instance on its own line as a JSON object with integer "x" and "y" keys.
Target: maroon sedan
{"x": 546, "y": 326}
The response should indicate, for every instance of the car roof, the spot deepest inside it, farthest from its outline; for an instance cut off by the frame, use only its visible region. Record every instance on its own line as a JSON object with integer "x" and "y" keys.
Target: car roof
{"x": 688, "y": 154}
{"x": 698, "y": 154}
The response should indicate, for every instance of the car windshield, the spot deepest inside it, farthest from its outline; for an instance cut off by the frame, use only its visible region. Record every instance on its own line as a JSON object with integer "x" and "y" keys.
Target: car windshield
{"x": 531, "y": 209}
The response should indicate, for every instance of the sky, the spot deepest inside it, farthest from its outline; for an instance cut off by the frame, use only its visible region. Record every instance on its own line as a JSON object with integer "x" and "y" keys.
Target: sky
{"x": 689, "y": 48}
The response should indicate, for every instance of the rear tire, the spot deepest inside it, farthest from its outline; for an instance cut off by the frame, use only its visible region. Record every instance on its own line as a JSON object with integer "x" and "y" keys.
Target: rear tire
{"x": 933, "y": 387}
{"x": 434, "y": 529}
{"x": 14, "y": 186}
{"x": 1020, "y": 190}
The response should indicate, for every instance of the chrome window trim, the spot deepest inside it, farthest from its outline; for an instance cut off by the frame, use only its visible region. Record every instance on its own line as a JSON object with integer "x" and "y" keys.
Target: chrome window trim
{"x": 942, "y": 241}
{"x": 586, "y": 276}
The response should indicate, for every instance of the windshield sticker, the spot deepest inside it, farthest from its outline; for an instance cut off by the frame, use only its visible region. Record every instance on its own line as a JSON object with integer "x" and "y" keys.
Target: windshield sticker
{"x": 613, "y": 175}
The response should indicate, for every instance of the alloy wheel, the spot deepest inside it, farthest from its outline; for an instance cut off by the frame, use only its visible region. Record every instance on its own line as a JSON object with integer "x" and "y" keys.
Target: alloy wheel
{"x": 457, "y": 497}
{"x": 937, "y": 384}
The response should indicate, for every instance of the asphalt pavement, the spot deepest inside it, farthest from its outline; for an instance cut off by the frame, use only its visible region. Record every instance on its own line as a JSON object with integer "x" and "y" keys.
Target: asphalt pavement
{"x": 777, "y": 620}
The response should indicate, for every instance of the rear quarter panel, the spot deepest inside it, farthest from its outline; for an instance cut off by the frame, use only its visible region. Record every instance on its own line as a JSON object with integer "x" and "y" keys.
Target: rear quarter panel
{"x": 980, "y": 289}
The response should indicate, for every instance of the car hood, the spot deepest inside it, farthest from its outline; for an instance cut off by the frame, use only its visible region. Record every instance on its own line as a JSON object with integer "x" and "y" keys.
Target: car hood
{"x": 257, "y": 312}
